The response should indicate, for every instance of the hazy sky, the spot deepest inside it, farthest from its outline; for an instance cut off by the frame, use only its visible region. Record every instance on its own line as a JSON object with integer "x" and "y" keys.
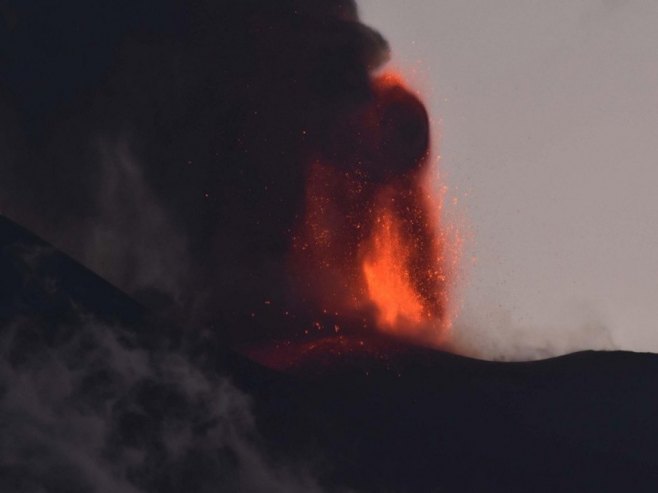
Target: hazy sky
{"x": 548, "y": 114}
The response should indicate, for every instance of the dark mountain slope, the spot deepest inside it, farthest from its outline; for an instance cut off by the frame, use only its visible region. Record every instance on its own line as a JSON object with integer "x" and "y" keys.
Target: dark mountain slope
{"x": 88, "y": 374}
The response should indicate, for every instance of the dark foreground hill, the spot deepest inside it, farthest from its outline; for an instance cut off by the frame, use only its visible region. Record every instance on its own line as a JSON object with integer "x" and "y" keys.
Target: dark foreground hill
{"x": 98, "y": 395}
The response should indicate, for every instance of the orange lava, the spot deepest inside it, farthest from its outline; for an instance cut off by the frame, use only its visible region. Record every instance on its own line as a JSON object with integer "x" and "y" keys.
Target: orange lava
{"x": 370, "y": 246}
{"x": 388, "y": 277}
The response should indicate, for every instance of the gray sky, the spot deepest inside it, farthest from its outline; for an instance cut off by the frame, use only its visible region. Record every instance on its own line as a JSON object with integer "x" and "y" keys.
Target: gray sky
{"x": 548, "y": 115}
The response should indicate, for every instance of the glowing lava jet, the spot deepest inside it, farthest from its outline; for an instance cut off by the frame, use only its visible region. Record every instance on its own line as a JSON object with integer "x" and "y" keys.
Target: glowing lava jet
{"x": 369, "y": 250}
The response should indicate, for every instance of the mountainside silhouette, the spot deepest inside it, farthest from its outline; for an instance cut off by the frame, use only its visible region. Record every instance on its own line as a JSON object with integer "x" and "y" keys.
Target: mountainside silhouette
{"x": 99, "y": 395}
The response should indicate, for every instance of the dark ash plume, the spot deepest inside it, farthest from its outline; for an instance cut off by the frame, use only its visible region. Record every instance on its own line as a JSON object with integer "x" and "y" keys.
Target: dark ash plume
{"x": 173, "y": 160}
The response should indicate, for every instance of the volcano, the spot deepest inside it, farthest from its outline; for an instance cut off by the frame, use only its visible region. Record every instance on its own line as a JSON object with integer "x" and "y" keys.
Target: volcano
{"x": 387, "y": 417}
{"x": 244, "y": 274}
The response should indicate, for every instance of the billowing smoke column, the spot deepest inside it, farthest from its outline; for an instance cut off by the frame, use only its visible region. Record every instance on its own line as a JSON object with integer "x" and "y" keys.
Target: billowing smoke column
{"x": 234, "y": 163}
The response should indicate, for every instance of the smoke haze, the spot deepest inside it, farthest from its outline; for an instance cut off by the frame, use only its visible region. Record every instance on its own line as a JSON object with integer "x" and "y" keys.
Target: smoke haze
{"x": 80, "y": 414}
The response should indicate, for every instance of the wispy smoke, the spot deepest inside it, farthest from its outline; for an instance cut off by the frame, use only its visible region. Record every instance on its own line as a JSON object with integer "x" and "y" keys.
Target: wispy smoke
{"x": 495, "y": 335}
{"x": 94, "y": 413}
{"x": 132, "y": 240}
